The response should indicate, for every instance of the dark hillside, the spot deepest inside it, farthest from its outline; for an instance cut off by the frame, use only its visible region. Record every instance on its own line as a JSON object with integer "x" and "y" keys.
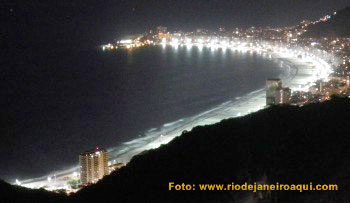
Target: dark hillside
{"x": 337, "y": 26}
{"x": 9, "y": 193}
{"x": 280, "y": 144}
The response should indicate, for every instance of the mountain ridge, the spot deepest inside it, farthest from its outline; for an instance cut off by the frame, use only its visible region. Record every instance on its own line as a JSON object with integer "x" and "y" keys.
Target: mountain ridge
{"x": 288, "y": 144}
{"x": 284, "y": 144}
{"x": 337, "y": 26}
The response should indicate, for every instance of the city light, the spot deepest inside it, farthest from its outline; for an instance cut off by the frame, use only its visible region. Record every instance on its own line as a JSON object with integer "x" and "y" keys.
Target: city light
{"x": 18, "y": 182}
{"x": 200, "y": 41}
{"x": 127, "y": 41}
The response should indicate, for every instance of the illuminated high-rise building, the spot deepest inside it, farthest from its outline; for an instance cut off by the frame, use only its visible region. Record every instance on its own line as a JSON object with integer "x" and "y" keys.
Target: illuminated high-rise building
{"x": 272, "y": 85}
{"x": 283, "y": 96}
{"x": 93, "y": 166}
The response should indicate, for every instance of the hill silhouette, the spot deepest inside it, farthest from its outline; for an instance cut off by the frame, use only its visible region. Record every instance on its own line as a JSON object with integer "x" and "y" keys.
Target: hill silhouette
{"x": 279, "y": 144}
{"x": 284, "y": 144}
{"x": 337, "y": 26}
{"x": 11, "y": 193}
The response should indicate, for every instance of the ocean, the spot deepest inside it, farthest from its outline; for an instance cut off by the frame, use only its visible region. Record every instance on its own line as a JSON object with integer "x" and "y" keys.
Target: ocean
{"x": 59, "y": 106}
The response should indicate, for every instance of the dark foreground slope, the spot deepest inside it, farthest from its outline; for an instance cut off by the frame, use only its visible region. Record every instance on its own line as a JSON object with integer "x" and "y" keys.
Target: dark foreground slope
{"x": 337, "y": 26}
{"x": 280, "y": 144}
{"x": 9, "y": 193}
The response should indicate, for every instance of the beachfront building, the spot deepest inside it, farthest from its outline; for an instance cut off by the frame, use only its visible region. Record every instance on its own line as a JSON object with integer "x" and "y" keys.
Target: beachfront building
{"x": 272, "y": 85}
{"x": 283, "y": 96}
{"x": 93, "y": 165}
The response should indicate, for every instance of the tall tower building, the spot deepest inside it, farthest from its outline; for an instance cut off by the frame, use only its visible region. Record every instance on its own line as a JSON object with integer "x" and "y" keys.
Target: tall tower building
{"x": 321, "y": 87}
{"x": 93, "y": 166}
{"x": 272, "y": 85}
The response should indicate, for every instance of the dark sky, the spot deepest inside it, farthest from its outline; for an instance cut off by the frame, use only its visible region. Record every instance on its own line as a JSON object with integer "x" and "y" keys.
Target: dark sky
{"x": 43, "y": 51}
{"x": 93, "y": 21}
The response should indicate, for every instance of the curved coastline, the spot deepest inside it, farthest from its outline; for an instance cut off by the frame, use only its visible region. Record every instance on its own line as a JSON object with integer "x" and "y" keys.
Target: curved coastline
{"x": 304, "y": 74}
{"x": 251, "y": 102}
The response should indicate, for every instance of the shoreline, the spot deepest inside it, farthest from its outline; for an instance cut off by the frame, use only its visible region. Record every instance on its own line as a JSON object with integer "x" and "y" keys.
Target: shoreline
{"x": 247, "y": 104}
{"x": 155, "y": 137}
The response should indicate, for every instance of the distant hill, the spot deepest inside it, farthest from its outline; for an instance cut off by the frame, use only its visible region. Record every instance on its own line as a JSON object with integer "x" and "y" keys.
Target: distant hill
{"x": 280, "y": 144}
{"x": 337, "y": 26}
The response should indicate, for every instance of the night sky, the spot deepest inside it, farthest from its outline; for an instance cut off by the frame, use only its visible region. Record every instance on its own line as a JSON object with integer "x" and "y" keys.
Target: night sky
{"x": 93, "y": 22}
{"x": 40, "y": 37}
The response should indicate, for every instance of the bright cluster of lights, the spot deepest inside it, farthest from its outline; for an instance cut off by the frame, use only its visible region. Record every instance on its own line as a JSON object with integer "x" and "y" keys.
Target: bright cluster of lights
{"x": 127, "y": 41}
{"x": 108, "y": 47}
{"x": 213, "y": 43}
{"x": 18, "y": 182}
{"x": 322, "y": 68}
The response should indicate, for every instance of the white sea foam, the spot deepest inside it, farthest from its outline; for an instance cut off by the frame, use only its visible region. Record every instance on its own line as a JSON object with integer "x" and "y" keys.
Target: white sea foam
{"x": 173, "y": 123}
{"x": 151, "y": 130}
